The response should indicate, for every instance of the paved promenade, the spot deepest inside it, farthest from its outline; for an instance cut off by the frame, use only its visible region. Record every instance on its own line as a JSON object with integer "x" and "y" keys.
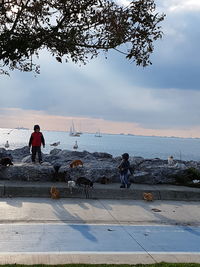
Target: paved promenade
{"x": 42, "y": 230}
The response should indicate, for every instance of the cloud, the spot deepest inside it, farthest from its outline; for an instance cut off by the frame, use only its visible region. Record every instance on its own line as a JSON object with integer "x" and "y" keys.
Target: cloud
{"x": 172, "y": 6}
{"x": 162, "y": 97}
{"x": 16, "y": 117}
{"x": 179, "y": 6}
{"x": 101, "y": 91}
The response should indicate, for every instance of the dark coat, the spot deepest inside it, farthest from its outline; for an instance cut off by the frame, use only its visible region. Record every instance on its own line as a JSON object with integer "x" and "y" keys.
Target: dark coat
{"x": 124, "y": 167}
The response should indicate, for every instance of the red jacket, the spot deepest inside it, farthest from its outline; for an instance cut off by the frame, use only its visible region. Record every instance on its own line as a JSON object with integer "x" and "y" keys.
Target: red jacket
{"x": 36, "y": 139}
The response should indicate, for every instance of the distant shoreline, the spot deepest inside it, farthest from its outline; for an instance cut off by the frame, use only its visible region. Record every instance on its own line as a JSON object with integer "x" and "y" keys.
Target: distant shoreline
{"x": 118, "y": 134}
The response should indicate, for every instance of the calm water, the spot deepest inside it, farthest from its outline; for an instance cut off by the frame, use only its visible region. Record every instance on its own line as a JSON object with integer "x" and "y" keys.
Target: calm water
{"x": 148, "y": 147}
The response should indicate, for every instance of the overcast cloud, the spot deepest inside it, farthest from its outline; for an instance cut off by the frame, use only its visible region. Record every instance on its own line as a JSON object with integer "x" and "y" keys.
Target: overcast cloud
{"x": 165, "y": 95}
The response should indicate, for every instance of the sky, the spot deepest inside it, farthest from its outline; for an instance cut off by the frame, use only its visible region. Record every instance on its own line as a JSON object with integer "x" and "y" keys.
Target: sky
{"x": 113, "y": 94}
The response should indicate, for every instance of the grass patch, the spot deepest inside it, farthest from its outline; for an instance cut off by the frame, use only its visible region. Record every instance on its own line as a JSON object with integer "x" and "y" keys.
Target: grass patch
{"x": 187, "y": 176}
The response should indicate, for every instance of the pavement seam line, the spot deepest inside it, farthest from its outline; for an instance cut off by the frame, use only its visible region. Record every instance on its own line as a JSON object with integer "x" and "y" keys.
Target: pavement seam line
{"x": 122, "y": 226}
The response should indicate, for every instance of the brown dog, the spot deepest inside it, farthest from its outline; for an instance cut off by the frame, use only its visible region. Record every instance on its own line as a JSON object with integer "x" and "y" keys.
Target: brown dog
{"x": 76, "y": 163}
{"x": 55, "y": 194}
{"x": 148, "y": 196}
{"x": 6, "y": 161}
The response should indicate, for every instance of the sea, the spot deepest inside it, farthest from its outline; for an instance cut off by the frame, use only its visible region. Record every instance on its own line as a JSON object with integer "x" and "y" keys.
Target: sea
{"x": 115, "y": 144}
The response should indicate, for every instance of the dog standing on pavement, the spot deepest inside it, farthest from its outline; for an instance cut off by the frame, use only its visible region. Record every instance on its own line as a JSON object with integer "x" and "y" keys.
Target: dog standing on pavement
{"x": 71, "y": 185}
{"x": 148, "y": 196}
{"x": 55, "y": 194}
{"x": 86, "y": 184}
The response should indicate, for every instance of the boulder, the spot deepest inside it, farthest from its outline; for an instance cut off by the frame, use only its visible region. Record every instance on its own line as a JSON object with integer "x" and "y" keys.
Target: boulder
{"x": 27, "y": 159}
{"x": 19, "y": 153}
{"x": 5, "y": 153}
{"x": 55, "y": 151}
{"x": 27, "y": 172}
{"x": 102, "y": 155}
{"x": 180, "y": 166}
{"x": 53, "y": 159}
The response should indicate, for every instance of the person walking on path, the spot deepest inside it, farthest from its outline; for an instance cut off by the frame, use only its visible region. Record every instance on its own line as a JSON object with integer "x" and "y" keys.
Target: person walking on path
{"x": 124, "y": 169}
{"x": 36, "y": 140}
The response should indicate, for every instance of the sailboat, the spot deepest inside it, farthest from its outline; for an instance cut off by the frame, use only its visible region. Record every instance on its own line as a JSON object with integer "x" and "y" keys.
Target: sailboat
{"x": 79, "y": 132}
{"x": 98, "y": 134}
{"x": 72, "y": 131}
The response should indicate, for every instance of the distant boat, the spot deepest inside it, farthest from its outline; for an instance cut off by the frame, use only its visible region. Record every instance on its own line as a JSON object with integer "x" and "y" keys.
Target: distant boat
{"x": 79, "y": 132}
{"x": 72, "y": 131}
{"x": 7, "y": 144}
{"x": 21, "y": 128}
{"x": 98, "y": 134}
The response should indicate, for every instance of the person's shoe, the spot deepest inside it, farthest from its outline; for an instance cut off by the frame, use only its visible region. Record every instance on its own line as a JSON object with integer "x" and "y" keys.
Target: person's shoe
{"x": 128, "y": 185}
{"x": 41, "y": 162}
{"x": 122, "y": 186}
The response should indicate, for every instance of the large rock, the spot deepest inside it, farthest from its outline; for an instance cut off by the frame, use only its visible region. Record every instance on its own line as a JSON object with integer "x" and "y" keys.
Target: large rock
{"x": 102, "y": 155}
{"x": 159, "y": 175}
{"x": 27, "y": 172}
{"x": 55, "y": 151}
{"x": 5, "y": 153}
{"x": 27, "y": 159}
{"x": 19, "y": 153}
{"x": 64, "y": 157}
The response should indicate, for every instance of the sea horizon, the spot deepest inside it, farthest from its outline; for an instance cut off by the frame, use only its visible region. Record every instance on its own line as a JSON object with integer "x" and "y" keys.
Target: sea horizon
{"x": 104, "y": 133}
{"x": 136, "y": 145}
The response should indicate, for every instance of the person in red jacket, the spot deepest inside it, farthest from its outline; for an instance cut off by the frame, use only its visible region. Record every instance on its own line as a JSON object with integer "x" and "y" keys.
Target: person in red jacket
{"x": 36, "y": 140}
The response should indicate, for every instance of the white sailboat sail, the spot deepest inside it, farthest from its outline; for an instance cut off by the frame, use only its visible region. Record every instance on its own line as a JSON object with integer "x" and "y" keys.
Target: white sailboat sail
{"x": 72, "y": 131}
{"x": 98, "y": 134}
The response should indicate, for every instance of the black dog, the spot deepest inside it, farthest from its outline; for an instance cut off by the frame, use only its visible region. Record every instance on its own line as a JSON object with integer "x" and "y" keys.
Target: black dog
{"x": 6, "y": 161}
{"x": 58, "y": 176}
{"x": 82, "y": 181}
{"x": 86, "y": 183}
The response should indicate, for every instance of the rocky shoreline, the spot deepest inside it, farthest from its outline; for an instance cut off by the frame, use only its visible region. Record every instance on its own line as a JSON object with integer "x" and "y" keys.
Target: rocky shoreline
{"x": 95, "y": 166}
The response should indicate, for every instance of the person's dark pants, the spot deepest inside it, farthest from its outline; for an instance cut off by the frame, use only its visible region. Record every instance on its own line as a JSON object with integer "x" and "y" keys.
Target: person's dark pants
{"x": 36, "y": 150}
{"x": 124, "y": 178}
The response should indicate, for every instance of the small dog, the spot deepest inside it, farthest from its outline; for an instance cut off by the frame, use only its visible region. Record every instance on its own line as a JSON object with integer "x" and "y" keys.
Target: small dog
{"x": 76, "y": 163}
{"x": 71, "y": 185}
{"x": 104, "y": 180}
{"x": 6, "y": 161}
{"x": 55, "y": 194}
{"x": 148, "y": 196}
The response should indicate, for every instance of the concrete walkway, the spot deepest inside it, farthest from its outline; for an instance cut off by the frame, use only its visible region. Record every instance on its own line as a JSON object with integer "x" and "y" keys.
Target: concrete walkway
{"x": 42, "y": 230}
{"x": 109, "y": 191}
